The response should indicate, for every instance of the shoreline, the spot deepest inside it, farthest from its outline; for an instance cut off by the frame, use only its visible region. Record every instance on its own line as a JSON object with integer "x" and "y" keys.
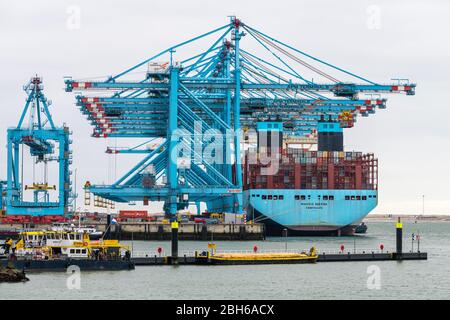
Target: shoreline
{"x": 406, "y": 217}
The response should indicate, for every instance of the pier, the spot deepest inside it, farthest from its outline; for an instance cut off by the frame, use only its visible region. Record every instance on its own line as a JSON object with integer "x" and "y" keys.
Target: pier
{"x": 186, "y": 259}
{"x": 162, "y": 231}
{"x": 212, "y": 256}
{"x": 192, "y": 259}
{"x": 206, "y": 257}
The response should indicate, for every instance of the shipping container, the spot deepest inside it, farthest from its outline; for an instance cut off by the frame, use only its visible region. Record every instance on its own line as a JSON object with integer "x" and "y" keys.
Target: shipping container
{"x": 316, "y": 170}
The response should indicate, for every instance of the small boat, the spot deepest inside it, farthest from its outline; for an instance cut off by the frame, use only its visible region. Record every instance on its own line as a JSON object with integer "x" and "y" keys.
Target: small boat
{"x": 56, "y": 249}
{"x": 94, "y": 234}
{"x": 60, "y": 226}
{"x": 71, "y": 244}
{"x": 361, "y": 228}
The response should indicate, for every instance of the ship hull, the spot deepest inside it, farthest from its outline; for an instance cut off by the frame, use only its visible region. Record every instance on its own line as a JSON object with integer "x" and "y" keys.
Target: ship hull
{"x": 309, "y": 212}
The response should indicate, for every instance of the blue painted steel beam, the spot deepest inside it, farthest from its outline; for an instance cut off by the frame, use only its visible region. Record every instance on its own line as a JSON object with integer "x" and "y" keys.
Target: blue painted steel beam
{"x": 336, "y": 88}
{"x": 221, "y": 87}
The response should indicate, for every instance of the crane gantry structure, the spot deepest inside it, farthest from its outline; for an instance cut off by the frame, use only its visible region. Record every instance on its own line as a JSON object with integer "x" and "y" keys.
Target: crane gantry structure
{"x": 219, "y": 89}
{"x": 46, "y": 143}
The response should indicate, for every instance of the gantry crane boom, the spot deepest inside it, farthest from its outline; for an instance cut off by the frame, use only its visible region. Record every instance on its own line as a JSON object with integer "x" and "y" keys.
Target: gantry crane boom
{"x": 217, "y": 90}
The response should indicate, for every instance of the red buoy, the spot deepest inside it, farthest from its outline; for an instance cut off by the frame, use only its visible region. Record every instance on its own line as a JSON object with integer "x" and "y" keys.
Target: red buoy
{"x": 342, "y": 248}
{"x": 255, "y": 248}
{"x": 159, "y": 250}
{"x": 381, "y": 247}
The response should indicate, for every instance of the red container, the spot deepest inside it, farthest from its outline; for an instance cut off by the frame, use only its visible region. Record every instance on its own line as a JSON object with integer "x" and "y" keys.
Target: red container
{"x": 199, "y": 220}
{"x": 355, "y": 171}
{"x": 133, "y": 214}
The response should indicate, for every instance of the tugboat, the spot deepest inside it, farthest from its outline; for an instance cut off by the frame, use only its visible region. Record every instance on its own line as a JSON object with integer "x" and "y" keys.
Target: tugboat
{"x": 361, "y": 228}
{"x": 58, "y": 250}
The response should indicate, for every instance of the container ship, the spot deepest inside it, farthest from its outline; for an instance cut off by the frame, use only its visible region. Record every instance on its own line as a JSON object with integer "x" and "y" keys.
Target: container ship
{"x": 323, "y": 192}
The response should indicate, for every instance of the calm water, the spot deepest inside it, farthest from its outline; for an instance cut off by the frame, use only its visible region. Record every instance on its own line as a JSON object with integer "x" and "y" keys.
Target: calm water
{"x": 399, "y": 280}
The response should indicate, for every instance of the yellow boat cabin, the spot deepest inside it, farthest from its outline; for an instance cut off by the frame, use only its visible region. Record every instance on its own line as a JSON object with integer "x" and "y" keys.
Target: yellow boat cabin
{"x": 67, "y": 244}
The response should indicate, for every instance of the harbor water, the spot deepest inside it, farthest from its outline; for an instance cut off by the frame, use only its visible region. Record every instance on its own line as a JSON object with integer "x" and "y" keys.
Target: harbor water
{"x": 332, "y": 280}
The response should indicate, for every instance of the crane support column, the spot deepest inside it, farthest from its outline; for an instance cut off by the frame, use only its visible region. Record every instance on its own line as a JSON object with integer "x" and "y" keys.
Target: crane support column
{"x": 236, "y": 115}
{"x": 11, "y": 174}
{"x": 173, "y": 141}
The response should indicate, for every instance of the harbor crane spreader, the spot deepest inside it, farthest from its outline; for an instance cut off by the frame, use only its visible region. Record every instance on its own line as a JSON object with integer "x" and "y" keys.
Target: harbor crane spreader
{"x": 204, "y": 99}
{"x": 46, "y": 143}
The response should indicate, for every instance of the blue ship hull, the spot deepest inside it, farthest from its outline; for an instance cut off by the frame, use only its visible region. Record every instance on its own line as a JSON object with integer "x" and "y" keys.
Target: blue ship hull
{"x": 309, "y": 212}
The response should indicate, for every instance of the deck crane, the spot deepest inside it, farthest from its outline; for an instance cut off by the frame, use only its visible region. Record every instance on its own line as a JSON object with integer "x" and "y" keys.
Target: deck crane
{"x": 46, "y": 143}
{"x": 221, "y": 88}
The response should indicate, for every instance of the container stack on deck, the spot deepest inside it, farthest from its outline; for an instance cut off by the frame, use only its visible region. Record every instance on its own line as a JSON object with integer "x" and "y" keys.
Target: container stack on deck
{"x": 303, "y": 169}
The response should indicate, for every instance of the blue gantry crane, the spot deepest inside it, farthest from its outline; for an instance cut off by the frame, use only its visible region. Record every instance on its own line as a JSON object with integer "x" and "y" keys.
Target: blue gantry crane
{"x": 46, "y": 143}
{"x": 206, "y": 99}
{"x": 2, "y": 196}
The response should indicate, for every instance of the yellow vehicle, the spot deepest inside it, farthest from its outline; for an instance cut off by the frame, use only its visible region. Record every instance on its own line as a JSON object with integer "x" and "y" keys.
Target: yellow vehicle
{"x": 216, "y": 216}
{"x": 183, "y": 217}
{"x": 70, "y": 244}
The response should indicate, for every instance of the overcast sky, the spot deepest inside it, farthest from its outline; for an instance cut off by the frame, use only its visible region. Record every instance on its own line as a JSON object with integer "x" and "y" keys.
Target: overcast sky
{"x": 380, "y": 40}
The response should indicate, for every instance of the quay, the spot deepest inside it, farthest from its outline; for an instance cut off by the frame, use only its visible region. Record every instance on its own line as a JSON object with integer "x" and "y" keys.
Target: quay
{"x": 187, "y": 231}
{"x": 161, "y": 231}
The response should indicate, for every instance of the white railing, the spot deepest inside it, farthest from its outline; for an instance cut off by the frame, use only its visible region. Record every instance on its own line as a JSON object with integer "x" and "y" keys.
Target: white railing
{"x": 353, "y": 251}
{"x": 147, "y": 254}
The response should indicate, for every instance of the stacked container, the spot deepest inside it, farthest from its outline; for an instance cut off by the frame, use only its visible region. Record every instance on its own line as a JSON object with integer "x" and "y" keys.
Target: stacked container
{"x": 302, "y": 169}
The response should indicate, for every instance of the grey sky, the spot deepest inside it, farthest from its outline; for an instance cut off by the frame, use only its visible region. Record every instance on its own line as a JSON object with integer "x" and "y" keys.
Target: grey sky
{"x": 410, "y": 137}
